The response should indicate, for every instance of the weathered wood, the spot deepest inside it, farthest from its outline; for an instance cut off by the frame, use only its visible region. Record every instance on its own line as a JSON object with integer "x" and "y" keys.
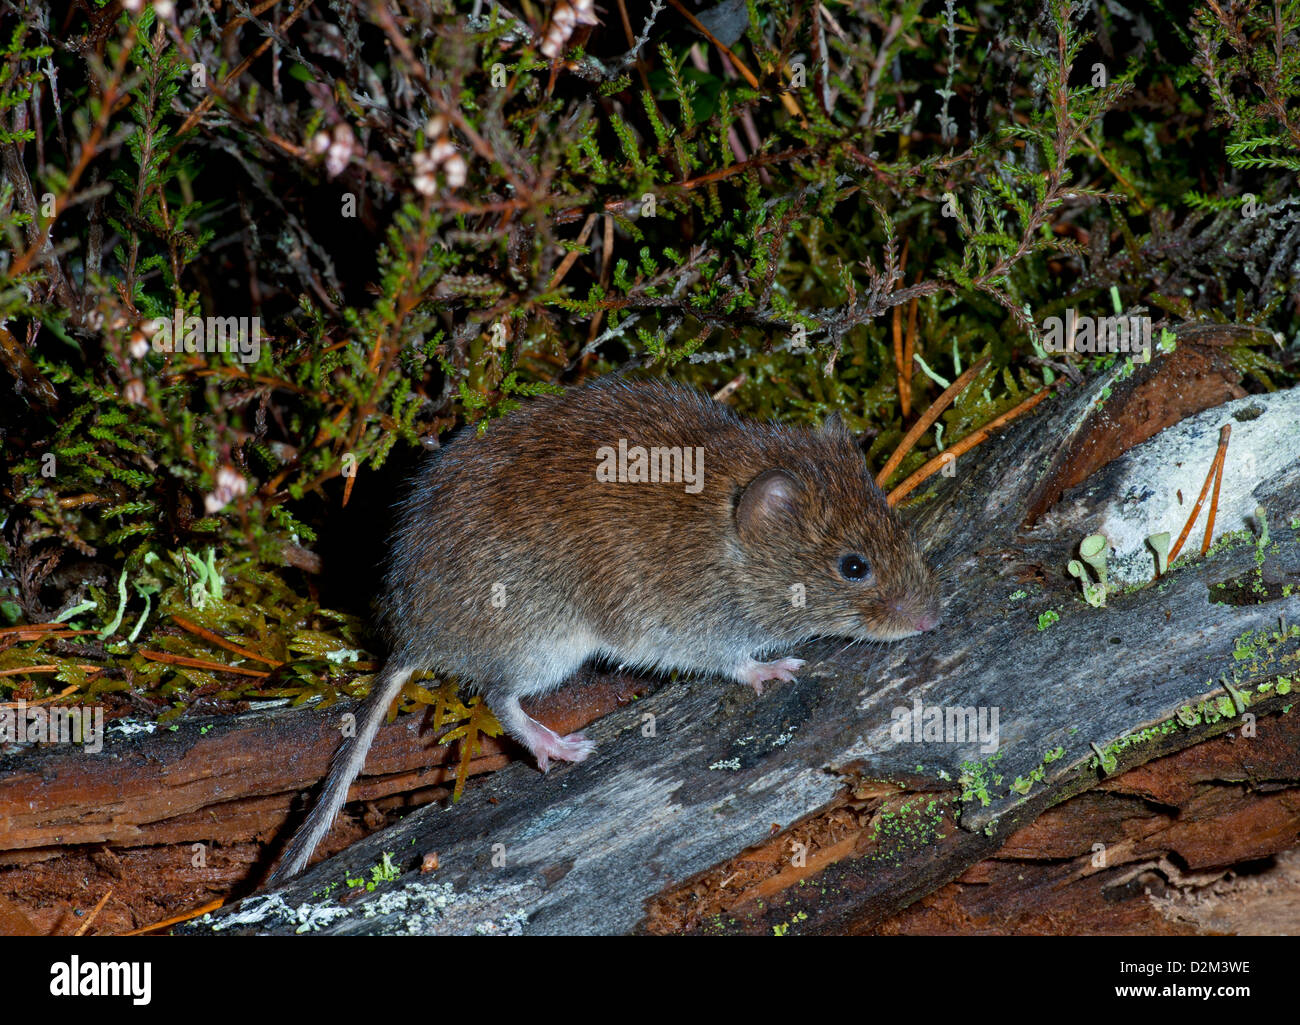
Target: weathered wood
{"x": 226, "y": 779}
{"x": 1150, "y": 851}
{"x": 1187, "y": 817}
{"x": 583, "y": 849}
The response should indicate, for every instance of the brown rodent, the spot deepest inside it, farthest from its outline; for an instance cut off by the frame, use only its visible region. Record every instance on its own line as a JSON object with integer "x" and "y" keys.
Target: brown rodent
{"x": 516, "y": 558}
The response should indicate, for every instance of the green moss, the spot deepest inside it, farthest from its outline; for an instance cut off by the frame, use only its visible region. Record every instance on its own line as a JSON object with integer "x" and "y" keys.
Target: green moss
{"x": 909, "y": 828}
{"x": 1022, "y": 784}
{"x": 1226, "y": 542}
{"x": 1262, "y": 649}
{"x": 383, "y": 872}
{"x": 784, "y": 927}
{"x": 975, "y": 778}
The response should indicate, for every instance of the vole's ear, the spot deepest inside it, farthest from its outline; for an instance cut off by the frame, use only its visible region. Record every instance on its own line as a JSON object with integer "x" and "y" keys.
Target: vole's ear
{"x": 769, "y": 499}
{"x": 834, "y": 424}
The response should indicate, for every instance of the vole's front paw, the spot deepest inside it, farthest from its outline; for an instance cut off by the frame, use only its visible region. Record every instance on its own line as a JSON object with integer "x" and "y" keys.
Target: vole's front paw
{"x": 754, "y": 673}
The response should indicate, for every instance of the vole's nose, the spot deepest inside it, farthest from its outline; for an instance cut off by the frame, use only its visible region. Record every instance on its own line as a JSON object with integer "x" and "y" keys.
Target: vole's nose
{"x": 921, "y": 620}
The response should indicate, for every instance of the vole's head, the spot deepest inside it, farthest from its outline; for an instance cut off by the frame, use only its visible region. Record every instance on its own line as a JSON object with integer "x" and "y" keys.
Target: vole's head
{"x": 824, "y": 552}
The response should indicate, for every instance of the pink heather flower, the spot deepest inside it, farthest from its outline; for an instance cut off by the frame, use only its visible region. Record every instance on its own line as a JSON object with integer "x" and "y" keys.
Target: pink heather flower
{"x": 230, "y": 485}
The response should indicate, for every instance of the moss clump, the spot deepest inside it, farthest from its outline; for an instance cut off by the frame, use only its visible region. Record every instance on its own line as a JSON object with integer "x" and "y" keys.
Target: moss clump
{"x": 977, "y": 777}
{"x": 908, "y": 827}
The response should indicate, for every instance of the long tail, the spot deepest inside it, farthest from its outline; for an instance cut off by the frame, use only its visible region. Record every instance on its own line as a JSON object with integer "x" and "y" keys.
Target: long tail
{"x": 345, "y": 766}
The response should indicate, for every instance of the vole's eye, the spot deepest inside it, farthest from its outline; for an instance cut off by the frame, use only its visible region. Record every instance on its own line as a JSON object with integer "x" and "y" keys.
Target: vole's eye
{"x": 854, "y": 567}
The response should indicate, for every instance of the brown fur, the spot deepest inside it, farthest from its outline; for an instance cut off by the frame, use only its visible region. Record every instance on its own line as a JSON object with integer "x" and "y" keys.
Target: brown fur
{"x": 639, "y": 565}
{"x": 512, "y": 564}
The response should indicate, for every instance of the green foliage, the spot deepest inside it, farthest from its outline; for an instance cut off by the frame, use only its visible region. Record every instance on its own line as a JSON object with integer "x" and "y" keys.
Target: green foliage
{"x": 1248, "y": 55}
{"x": 143, "y": 211}
{"x": 18, "y": 73}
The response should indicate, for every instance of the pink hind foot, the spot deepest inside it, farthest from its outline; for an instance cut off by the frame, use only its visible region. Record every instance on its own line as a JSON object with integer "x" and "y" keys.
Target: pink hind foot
{"x": 754, "y": 673}
{"x": 546, "y": 744}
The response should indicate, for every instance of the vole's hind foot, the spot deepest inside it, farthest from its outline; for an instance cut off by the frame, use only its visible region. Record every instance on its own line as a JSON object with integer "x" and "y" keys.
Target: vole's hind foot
{"x": 547, "y": 744}
{"x": 544, "y": 743}
{"x": 755, "y": 673}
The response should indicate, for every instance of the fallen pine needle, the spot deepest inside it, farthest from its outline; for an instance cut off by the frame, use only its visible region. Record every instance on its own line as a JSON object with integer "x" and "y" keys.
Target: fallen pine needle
{"x": 38, "y": 701}
{"x": 929, "y": 417}
{"x": 901, "y": 364}
{"x": 198, "y": 663}
{"x": 94, "y": 914}
{"x": 39, "y": 633}
{"x": 1220, "y": 458}
{"x": 787, "y": 100}
{"x": 1215, "y": 468}
{"x": 220, "y": 641}
{"x": 909, "y": 346}
{"x": 177, "y": 919}
{"x": 965, "y": 445}
{"x": 571, "y": 257}
{"x": 45, "y": 669}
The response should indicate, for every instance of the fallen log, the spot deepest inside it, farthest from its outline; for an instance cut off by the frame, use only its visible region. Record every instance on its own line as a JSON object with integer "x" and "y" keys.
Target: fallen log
{"x": 697, "y": 771}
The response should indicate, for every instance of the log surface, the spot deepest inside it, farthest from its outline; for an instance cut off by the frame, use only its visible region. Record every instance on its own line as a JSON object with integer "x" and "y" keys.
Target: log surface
{"x": 699, "y": 770}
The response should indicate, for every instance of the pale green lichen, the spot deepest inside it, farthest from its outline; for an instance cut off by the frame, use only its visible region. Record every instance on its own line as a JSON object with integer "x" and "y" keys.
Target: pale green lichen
{"x": 1092, "y": 550}
{"x": 1093, "y": 594}
{"x": 1160, "y": 545}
